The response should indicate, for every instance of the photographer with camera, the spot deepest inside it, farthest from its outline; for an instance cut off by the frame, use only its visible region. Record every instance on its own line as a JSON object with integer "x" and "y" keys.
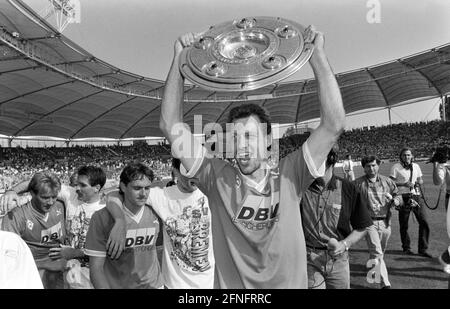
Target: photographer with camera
{"x": 408, "y": 178}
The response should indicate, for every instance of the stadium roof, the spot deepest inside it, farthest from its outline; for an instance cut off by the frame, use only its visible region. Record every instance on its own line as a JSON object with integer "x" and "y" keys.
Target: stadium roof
{"x": 50, "y": 86}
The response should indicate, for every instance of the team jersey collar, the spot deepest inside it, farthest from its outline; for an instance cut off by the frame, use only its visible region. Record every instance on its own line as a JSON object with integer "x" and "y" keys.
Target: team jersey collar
{"x": 38, "y": 214}
{"x": 90, "y": 205}
{"x": 258, "y": 186}
{"x": 135, "y": 217}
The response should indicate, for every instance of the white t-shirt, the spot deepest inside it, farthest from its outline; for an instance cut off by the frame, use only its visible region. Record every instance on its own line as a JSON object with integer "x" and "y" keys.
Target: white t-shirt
{"x": 402, "y": 175}
{"x": 188, "y": 259}
{"x": 17, "y": 267}
{"x": 77, "y": 222}
{"x": 78, "y": 217}
{"x": 69, "y": 196}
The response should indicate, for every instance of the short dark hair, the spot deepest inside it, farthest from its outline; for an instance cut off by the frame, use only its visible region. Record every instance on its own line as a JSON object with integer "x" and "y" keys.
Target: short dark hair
{"x": 95, "y": 174}
{"x": 176, "y": 163}
{"x": 247, "y": 110}
{"x": 368, "y": 159}
{"x": 135, "y": 171}
{"x": 41, "y": 179}
{"x": 404, "y": 149}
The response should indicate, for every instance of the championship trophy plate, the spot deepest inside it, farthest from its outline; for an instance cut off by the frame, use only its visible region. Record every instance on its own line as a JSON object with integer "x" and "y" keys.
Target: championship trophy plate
{"x": 246, "y": 54}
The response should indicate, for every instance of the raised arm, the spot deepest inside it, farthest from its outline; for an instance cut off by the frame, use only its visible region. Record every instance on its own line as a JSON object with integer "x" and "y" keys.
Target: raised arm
{"x": 332, "y": 113}
{"x": 184, "y": 146}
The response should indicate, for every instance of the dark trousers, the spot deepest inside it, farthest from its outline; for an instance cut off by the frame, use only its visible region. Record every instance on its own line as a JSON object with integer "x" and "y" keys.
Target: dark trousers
{"x": 421, "y": 216}
{"x": 447, "y": 197}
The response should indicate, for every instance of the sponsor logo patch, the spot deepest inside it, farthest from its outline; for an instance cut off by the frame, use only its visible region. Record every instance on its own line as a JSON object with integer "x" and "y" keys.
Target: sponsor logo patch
{"x": 53, "y": 233}
{"x": 140, "y": 237}
{"x": 256, "y": 213}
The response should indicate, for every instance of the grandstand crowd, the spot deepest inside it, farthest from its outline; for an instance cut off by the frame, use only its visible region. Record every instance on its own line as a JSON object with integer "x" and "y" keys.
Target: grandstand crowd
{"x": 383, "y": 140}
{"x": 357, "y": 142}
{"x": 19, "y": 164}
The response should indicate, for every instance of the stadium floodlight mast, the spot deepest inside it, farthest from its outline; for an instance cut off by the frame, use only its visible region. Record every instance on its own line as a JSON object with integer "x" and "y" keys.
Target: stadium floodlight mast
{"x": 65, "y": 11}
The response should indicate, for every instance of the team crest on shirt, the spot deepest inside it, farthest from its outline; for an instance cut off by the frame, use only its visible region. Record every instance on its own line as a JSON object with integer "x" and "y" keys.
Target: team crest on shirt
{"x": 58, "y": 212}
{"x": 30, "y": 225}
{"x": 238, "y": 181}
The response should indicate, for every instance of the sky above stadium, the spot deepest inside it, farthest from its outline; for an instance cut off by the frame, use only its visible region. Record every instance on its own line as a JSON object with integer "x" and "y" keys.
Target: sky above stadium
{"x": 138, "y": 35}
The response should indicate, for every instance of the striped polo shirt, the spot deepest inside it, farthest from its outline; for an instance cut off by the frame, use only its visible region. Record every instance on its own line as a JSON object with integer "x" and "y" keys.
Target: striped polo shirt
{"x": 377, "y": 193}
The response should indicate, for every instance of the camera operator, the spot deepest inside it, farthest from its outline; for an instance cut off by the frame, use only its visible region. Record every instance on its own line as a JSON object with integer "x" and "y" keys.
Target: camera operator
{"x": 408, "y": 177}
